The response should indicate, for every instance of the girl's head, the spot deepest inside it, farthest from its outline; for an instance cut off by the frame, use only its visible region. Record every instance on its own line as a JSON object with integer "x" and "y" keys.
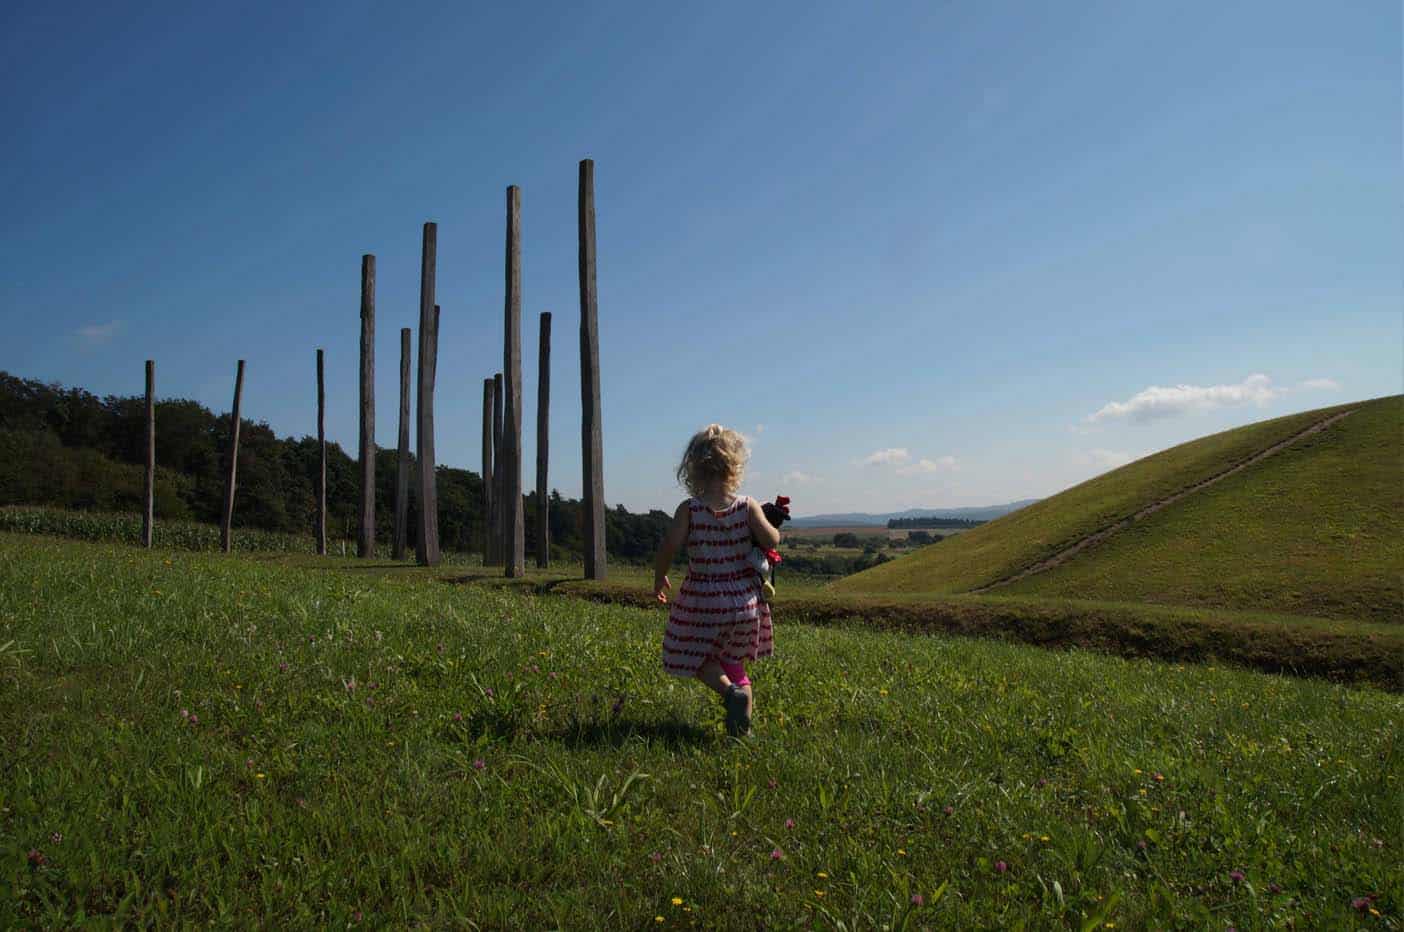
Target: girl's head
{"x": 715, "y": 459}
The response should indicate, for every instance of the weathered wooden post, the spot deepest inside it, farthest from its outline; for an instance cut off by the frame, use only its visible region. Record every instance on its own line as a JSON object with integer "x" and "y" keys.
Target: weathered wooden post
{"x": 402, "y": 473}
{"x": 487, "y": 471}
{"x": 592, "y": 445}
{"x": 365, "y": 542}
{"x": 513, "y": 537}
{"x": 321, "y": 456}
{"x": 225, "y": 528}
{"x": 148, "y": 511}
{"x": 428, "y": 537}
{"x": 497, "y": 496}
{"x": 543, "y": 416}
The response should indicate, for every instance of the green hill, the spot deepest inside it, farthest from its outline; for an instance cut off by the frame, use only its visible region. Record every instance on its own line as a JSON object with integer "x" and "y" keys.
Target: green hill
{"x": 1314, "y": 529}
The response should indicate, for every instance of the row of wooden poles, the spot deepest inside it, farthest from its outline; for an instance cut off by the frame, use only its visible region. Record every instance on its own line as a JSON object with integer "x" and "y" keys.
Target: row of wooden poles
{"x": 504, "y": 530}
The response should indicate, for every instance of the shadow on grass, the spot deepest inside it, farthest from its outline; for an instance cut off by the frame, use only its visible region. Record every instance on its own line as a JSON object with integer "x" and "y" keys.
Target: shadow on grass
{"x": 617, "y": 732}
{"x": 611, "y": 732}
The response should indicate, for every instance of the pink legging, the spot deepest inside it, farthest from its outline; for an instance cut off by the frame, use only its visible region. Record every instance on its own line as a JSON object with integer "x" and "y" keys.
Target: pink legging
{"x": 736, "y": 672}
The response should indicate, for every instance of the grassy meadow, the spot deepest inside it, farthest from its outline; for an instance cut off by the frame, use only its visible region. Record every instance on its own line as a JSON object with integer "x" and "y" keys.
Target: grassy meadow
{"x": 1318, "y": 529}
{"x": 193, "y": 738}
{"x": 1006, "y": 545}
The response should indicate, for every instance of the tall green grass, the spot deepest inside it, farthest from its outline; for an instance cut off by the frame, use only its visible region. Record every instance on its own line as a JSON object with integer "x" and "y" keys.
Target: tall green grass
{"x": 192, "y": 738}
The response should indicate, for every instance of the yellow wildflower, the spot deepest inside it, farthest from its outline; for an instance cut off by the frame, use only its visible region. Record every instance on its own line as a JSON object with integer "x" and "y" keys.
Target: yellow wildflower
{"x": 677, "y": 901}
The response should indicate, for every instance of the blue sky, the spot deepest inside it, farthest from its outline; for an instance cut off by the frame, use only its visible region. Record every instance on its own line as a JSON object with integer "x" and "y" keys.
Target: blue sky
{"x": 911, "y": 249}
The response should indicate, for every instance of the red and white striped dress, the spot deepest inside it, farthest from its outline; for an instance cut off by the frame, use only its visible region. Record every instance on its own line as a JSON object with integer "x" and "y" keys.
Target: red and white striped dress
{"x": 718, "y": 611}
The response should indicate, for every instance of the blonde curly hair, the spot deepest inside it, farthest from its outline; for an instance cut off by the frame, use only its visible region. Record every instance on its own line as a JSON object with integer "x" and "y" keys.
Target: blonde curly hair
{"x": 714, "y": 453}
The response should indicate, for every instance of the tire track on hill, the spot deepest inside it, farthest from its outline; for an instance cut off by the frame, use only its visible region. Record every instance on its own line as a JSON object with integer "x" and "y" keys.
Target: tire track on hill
{"x": 1072, "y": 550}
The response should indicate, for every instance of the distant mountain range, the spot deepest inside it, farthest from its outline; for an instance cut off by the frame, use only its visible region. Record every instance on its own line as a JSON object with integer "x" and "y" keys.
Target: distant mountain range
{"x": 860, "y": 519}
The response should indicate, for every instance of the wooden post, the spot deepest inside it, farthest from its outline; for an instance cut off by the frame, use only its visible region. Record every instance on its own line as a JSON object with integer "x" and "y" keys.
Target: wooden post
{"x": 402, "y": 473}
{"x": 513, "y": 537}
{"x": 428, "y": 537}
{"x": 226, "y": 525}
{"x": 487, "y": 471}
{"x": 148, "y": 511}
{"x": 497, "y": 497}
{"x": 365, "y": 541}
{"x": 321, "y": 456}
{"x": 543, "y": 418}
{"x": 592, "y": 445}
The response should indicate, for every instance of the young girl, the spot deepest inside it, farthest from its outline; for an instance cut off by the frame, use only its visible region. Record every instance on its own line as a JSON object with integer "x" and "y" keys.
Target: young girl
{"x": 718, "y": 619}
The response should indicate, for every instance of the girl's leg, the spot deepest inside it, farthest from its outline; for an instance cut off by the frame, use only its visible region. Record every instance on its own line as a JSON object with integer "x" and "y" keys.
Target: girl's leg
{"x": 712, "y": 675}
{"x": 736, "y": 673}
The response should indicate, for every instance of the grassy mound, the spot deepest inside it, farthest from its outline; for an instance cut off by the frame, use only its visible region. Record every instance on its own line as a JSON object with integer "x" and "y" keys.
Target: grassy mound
{"x": 194, "y": 739}
{"x": 1003, "y": 547}
{"x": 1317, "y": 529}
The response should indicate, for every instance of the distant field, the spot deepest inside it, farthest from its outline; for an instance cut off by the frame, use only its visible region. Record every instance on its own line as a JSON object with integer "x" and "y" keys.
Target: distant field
{"x": 863, "y": 531}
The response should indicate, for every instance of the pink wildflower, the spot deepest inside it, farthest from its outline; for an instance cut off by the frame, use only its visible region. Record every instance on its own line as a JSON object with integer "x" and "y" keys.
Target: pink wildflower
{"x": 194, "y": 719}
{"x": 36, "y": 857}
{"x": 789, "y": 823}
{"x": 776, "y": 854}
{"x": 1236, "y": 876}
{"x": 1001, "y": 867}
{"x": 948, "y": 810}
{"x": 918, "y": 899}
{"x": 479, "y": 764}
{"x": 458, "y": 716}
{"x": 771, "y": 784}
{"x": 488, "y": 691}
{"x": 656, "y": 856}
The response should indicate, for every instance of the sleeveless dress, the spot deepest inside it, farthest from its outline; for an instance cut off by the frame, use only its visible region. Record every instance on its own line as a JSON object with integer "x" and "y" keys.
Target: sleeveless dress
{"x": 717, "y": 612}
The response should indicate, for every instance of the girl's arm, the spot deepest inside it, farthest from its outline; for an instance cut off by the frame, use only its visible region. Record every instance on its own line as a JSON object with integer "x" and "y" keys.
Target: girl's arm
{"x": 761, "y": 529}
{"x": 677, "y": 533}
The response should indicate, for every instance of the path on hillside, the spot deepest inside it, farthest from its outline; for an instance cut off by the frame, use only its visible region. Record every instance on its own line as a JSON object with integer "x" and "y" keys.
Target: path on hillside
{"x": 1067, "y": 553}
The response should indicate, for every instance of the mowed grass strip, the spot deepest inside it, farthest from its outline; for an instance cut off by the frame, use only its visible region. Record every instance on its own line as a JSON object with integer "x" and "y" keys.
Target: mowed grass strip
{"x": 191, "y": 738}
{"x": 1338, "y": 649}
{"x": 993, "y": 551}
{"x": 1317, "y": 529}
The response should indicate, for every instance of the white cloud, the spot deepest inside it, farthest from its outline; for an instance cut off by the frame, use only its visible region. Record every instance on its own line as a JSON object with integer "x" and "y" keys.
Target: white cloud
{"x": 892, "y": 456}
{"x": 760, "y": 429}
{"x": 1104, "y": 459}
{"x": 98, "y": 334}
{"x": 1158, "y": 402}
{"x": 796, "y": 475}
{"x": 926, "y": 466}
{"x": 1325, "y": 385}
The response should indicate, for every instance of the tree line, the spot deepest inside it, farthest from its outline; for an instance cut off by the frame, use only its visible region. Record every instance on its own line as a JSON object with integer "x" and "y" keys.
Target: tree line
{"x": 67, "y": 448}
{"x": 902, "y": 523}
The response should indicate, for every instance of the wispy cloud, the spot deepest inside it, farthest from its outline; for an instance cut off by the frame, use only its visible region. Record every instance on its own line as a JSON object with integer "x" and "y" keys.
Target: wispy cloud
{"x": 796, "y": 475}
{"x": 1323, "y": 385}
{"x": 760, "y": 429}
{"x": 98, "y": 334}
{"x": 925, "y": 466}
{"x": 1157, "y": 402}
{"x": 892, "y": 456}
{"x": 1104, "y": 459}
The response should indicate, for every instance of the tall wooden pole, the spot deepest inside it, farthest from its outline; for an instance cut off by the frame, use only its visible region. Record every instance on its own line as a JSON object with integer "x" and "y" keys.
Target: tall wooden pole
{"x": 321, "y": 455}
{"x": 543, "y": 419}
{"x": 365, "y": 541}
{"x": 226, "y": 541}
{"x": 513, "y": 536}
{"x": 428, "y": 537}
{"x": 497, "y": 496}
{"x": 487, "y": 471}
{"x": 148, "y": 511}
{"x": 592, "y": 444}
{"x": 402, "y": 473}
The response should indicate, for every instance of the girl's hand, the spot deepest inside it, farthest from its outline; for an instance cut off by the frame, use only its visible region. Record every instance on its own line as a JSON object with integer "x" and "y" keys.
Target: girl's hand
{"x": 658, "y": 587}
